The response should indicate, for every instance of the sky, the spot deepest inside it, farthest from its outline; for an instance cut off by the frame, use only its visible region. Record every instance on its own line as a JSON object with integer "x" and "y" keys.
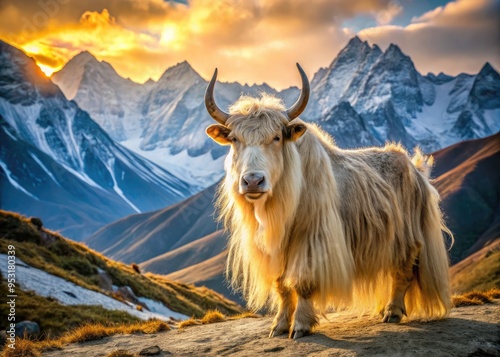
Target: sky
{"x": 251, "y": 41}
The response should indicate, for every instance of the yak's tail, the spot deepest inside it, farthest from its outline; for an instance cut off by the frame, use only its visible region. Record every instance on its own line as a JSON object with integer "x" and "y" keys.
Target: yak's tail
{"x": 429, "y": 294}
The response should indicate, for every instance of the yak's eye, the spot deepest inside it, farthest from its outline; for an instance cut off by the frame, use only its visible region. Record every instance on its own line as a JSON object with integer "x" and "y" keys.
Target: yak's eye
{"x": 277, "y": 138}
{"x": 234, "y": 140}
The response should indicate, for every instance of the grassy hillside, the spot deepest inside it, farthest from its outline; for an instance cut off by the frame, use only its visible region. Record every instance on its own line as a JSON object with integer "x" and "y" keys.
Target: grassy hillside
{"x": 77, "y": 263}
{"x": 188, "y": 255}
{"x": 468, "y": 180}
{"x": 144, "y": 236}
{"x": 479, "y": 271}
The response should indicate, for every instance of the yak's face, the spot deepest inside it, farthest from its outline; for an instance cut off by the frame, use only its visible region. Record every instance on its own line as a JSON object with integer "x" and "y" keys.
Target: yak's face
{"x": 256, "y": 160}
{"x": 259, "y": 132}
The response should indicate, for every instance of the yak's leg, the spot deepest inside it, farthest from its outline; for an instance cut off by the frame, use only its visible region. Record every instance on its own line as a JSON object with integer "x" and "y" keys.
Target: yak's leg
{"x": 286, "y": 307}
{"x": 305, "y": 317}
{"x": 395, "y": 308}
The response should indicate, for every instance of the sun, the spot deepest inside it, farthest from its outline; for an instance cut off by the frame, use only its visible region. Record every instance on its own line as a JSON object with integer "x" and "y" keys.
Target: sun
{"x": 169, "y": 34}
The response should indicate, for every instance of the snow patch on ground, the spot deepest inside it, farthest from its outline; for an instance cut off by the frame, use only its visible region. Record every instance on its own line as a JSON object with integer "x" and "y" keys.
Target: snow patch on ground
{"x": 158, "y": 308}
{"x": 68, "y": 293}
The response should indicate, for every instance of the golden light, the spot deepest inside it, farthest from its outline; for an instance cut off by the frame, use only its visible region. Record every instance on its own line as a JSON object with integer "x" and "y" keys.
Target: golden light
{"x": 46, "y": 69}
{"x": 31, "y": 48}
{"x": 169, "y": 34}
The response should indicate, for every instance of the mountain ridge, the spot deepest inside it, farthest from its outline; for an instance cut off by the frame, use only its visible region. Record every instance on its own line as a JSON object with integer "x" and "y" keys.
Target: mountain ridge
{"x": 51, "y": 135}
{"x": 391, "y": 98}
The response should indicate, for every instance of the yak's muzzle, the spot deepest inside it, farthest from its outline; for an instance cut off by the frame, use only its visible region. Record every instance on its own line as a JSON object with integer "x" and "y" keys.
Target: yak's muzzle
{"x": 253, "y": 185}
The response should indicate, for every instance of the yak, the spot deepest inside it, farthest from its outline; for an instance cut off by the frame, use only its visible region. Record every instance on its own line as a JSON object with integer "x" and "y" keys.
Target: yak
{"x": 313, "y": 226}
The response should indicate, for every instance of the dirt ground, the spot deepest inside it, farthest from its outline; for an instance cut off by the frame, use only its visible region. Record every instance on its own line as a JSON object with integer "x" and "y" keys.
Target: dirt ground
{"x": 469, "y": 331}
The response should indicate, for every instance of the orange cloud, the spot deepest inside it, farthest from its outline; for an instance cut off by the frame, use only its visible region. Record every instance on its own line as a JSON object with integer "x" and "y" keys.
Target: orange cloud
{"x": 249, "y": 41}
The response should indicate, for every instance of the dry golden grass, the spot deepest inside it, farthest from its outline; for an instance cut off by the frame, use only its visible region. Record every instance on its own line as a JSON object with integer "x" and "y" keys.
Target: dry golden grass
{"x": 213, "y": 316}
{"x": 245, "y": 315}
{"x": 472, "y": 298}
{"x": 98, "y": 331}
{"x": 186, "y": 323}
{"x": 91, "y": 332}
{"x": 493, "y": 293}
{"x": 24, "y": 348}
{"x": 459, "y": 301}
{"x": 120, "y": 353}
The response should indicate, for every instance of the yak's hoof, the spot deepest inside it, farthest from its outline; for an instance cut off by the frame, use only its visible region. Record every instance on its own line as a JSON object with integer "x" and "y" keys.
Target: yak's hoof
{"x": 277, "y": 332}
{"x": 299, "y": 334}
{"x": 392, "y": 318}
{"x": 393, "y": 314}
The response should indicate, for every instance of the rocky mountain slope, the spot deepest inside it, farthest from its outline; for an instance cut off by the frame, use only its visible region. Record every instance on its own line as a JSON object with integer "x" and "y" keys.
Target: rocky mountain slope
{"x": 57, "y": 163}
{"x": 469, "y": 331}
{"x": 465, "y": 174}
{"x": 114, "y": 105}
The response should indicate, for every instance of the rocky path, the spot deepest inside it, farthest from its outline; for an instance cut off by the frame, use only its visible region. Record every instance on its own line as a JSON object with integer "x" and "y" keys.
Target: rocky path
{"x": 469, "y": 331}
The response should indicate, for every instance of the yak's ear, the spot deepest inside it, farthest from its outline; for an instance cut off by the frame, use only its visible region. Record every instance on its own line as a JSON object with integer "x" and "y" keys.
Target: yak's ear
{"x": 219, "y": 133}
{"x": 295, "y": 129}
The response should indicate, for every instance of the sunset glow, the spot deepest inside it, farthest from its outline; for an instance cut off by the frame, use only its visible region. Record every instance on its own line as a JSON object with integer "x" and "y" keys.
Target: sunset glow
{"x": 46, "y": 69}
{"x": 250, "y": 42}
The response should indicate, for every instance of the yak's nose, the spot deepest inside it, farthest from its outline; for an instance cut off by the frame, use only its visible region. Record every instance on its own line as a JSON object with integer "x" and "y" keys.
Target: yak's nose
{"x": 253, "y": 182}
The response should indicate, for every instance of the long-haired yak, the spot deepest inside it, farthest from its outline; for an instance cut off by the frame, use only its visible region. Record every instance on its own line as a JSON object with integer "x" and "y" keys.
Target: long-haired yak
{"x": 313, "y": 226}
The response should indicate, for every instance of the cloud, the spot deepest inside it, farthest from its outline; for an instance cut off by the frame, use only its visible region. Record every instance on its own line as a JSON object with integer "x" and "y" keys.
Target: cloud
{"x": 249, "y": 41}
{"x": 458, "y": 37}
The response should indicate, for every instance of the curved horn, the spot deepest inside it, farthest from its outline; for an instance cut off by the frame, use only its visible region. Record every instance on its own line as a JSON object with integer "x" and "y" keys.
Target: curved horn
{"x": 301, "y": 103}
{"x": 214, "y": 111}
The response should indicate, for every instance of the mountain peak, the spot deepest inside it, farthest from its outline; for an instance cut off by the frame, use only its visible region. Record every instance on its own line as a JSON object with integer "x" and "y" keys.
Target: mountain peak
{"x": 83, "y": 58}
{"x": 487, "y": 69}
{"x": 180, "y": 70}
{"x": 440, "y": 78}
{"x": 394, "y": 50}
{"x": 376, "y": 48}
{"x": 355, "y": 41}
{"x": 354, "y": 52}
{"x": 184, "y": 65}
{"x": 486, "y": 89}
{"x": 394, "y": 54}
{"x": 355, "y": 44}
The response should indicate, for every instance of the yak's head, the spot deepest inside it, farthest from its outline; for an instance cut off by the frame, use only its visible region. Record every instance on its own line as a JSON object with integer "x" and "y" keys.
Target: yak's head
{"x": 260, "y": 131}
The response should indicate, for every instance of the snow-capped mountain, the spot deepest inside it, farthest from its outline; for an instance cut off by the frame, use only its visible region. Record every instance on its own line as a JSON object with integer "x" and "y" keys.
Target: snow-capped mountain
{"x": 169, "y": 116}
{"x": 112, "y": 101}
{"x": 365, "y": 97}
{"x": 396, "y": 103}
{"x": 57, "y": 163}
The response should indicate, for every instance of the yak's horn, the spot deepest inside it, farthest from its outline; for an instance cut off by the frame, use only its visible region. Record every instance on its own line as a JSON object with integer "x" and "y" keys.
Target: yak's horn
{"x": 214, "y": 111}
{"x": 301, "y": 103}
